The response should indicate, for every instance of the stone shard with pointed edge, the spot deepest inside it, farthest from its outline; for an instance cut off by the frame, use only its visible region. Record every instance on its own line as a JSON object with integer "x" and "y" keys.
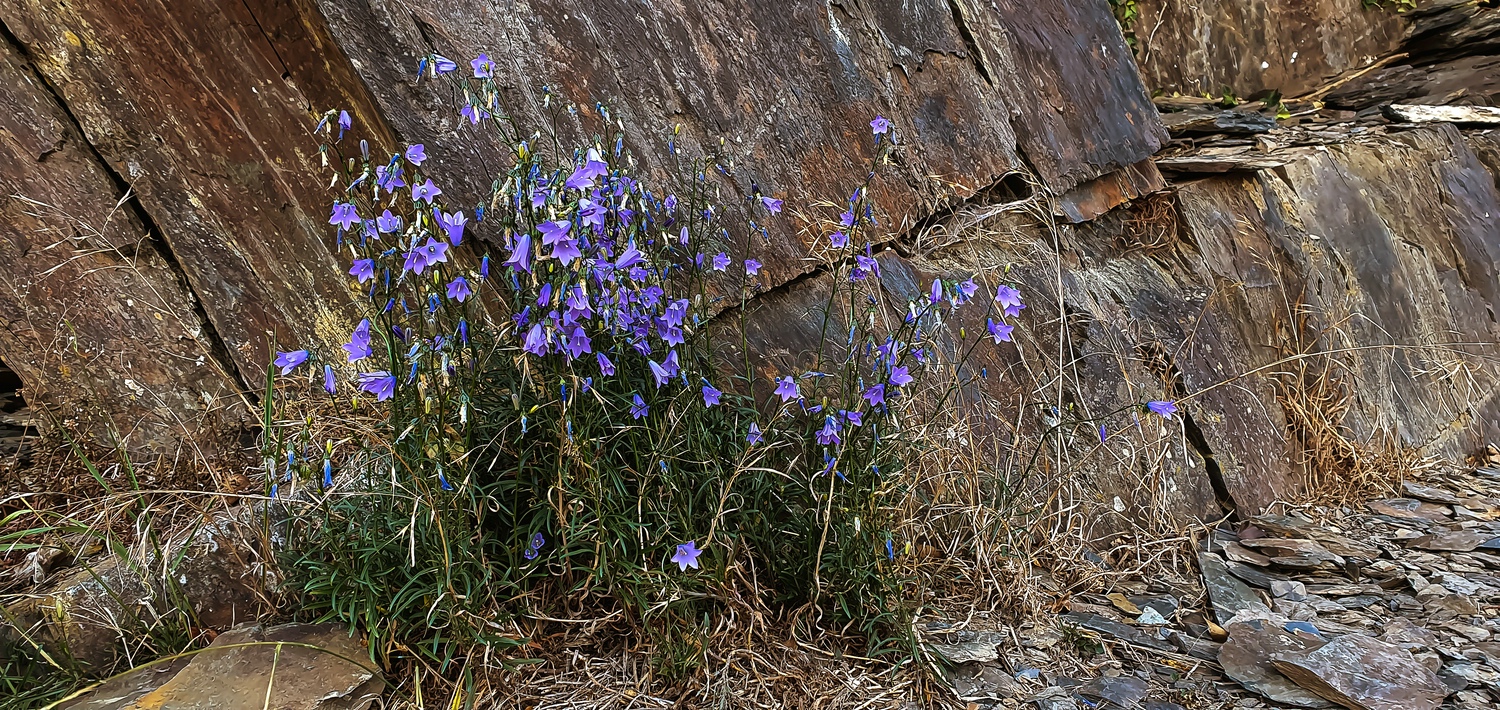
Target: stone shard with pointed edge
{"x": 1451, "y": 541}
{"x": 1227, "y": 593}
{"x": 1365, "y": 673}
{"x": 1246, "y": 657}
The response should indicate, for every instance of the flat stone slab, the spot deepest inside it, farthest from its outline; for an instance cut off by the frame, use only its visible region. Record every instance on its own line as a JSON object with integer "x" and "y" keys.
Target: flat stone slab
{"x": 1361, "y": 672}
{"x": 1227, "y": 592}
{"x": 289, "y": 667}
{"x": 1246, "y": 657}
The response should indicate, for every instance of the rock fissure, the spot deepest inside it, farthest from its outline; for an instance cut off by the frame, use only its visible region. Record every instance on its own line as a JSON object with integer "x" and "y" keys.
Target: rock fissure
{"x": 216, "y": 348}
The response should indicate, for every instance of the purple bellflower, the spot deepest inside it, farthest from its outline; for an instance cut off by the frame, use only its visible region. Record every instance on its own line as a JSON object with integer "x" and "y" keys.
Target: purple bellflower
{"x": 344, "y": 215}
{"x": 363, "y": 269}
{"x": 380, "y": 383}
{"x": 458, "y": 289}
{"x": 687, "y": 555}
{"x": 520, "y": 256}
{"x": 359, "y": 342}
{"x": 453, "y": 224}
{"x": 1162, "y": 408}
{"x": 786, "y": 389}
{"x": 999, "y": 331}
{"x": 483, "y": 67}
{"x": 289, "y": 361}
{"x": 387, "y": 222}
{"x": 900, "y": 377}
{"x": 425, "y": 191}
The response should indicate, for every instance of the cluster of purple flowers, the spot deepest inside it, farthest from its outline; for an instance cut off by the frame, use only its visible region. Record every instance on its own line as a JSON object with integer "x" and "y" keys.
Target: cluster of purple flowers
{"x": 591, "y": 279}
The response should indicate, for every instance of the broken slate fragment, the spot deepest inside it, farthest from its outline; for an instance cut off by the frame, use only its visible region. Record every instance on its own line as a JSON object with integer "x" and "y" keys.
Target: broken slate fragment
{"x": 289, "y": 667}
{"x": 1295, "y": 527}
{"x": 1297, "y": 554}
{"x": 1123, "y": 632}
{"x": 1451, "y": 541}
{"x": 1462, "y": 115}
{"x": 1362, "y": 672}
{"x": 1151, "y": 617}
{"x": 1227, "y": 593}
{"x": 1125, "y": 691}
{"x": 1290, "y": 590}
{"x": 1232, "y": 121}
{"x": 1239, "y": 553}
{"x": 982, "y": 647}
{"x": 1409, "y": 509}
{"x": 1255, "y": 575}
{"x": 1246, "y": 657}
{"x": 1429, "y": 493}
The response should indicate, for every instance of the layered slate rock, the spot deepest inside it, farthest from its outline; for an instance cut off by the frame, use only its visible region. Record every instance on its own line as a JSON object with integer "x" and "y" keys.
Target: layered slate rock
{"x": 94, "y": 316}
{"x": 1249, "y": 47}
{"x": 195, "y": 107}
{"x": 975, "y": 90}
{"x": 203, "y": 113}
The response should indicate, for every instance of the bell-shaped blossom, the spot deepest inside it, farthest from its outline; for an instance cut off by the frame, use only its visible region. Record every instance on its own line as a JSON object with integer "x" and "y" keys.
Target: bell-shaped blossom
{"x": 458, "y": 289}
{"x": 452, "y": 223}
{"x": 900, "y": 377}
{"x": 483, "y": 67}
{"x": 536, "y": 340}
{"x": 566, "y": 251}
{"x": 687, "y": 555}
{"x": 358, "y": 346}
{"x": 344, "y": 215}
{"x": 520, "y": 255}
{"x": 380, "y": 383}
{"x": 289, "y": 361}
{"x": 999, "y": 331}
{"x": 829, "y": 434}
{"x": 711, "y": 395}
{"x": 426, "y": 191}
{"x": 578, "y": 343}
{"x": 387, "y": 222}
{"x": 363, "y": 269}
{"x": 786, "y": 389}
{"x": 555, "y": 231}
{"x": 1161, "y": 408}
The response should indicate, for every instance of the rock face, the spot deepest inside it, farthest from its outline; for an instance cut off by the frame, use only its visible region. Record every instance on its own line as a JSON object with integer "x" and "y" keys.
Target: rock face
{"x": 1440, "y": 51}
{"x": 1302, "y": 297}
{"x": 1251, "y": 46}
{"x": 204, "y": 117}
{"x": 98, "y": 320}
